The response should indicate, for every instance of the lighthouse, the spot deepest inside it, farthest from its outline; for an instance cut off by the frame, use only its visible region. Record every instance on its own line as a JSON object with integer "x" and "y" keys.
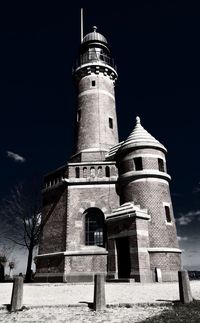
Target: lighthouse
{"x": 95, "y": 76}
{"x": 78, "y": 197}
{"x": 108, "y": 209}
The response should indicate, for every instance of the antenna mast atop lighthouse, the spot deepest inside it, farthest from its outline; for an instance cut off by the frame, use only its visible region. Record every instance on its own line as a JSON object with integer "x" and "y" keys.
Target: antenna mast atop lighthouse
{"x": 81, "y": 25}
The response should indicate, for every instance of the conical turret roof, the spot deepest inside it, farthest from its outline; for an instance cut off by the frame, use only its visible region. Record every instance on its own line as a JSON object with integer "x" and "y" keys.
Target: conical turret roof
{"x": 140, "y": 137}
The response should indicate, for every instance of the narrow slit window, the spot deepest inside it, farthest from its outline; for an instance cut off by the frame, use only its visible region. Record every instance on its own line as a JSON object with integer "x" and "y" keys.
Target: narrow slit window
{"x": 167, "y": 214}
{"x": 78, "y": 115}
{"x": 111, "y": 123}
{"x": 161, "y": 165}
{"x": 93, "y": 83}
{"x": 138, "y": 163}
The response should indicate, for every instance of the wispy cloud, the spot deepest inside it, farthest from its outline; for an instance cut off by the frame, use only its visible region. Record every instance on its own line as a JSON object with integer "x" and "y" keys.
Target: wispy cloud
{"x": 16, "y": 157}
{"x": 182, "y": 238}
{"x": 188, "y": 217}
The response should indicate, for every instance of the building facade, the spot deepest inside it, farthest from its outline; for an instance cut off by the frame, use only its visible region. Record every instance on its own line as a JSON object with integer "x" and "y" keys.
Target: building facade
{"x": 109, "y": 209}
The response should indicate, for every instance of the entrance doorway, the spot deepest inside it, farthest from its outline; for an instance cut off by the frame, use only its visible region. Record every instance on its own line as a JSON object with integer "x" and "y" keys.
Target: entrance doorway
{"x": 2, "y": 273}
{"x": 123, "y": 257}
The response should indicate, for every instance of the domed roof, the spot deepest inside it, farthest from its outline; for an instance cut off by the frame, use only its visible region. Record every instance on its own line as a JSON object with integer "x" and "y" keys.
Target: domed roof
{"x": 94, "y": 36}
{"x": 140, "y": 137}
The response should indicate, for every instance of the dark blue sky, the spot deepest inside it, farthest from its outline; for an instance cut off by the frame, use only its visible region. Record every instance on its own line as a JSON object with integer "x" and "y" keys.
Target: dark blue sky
{"x": 155, "y": 45}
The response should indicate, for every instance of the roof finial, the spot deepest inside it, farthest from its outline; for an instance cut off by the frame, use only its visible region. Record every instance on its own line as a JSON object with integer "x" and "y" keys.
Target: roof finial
{"x": 137, "y": 121}
{"x": 94, "y": 29}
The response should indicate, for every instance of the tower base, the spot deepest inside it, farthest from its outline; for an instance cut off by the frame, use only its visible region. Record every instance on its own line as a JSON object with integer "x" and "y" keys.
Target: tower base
{"x": 74, "y": 266}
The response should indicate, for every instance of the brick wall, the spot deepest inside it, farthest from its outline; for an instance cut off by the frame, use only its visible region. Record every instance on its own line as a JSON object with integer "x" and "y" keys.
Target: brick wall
{"x": 80, "y": 199}
{"x": 169, "y": 263}
{"x": 151, "y": 195}
{"x": 85, "y": 264}
{"x": 54, "y": 215}
{"x": 50, "y": 264}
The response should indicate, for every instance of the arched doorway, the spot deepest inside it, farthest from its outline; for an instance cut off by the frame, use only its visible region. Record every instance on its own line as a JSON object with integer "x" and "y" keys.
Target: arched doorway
{"x": 94, "y": 227}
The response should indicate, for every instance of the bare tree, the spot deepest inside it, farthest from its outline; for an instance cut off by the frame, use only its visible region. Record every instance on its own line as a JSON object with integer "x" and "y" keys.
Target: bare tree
{"x": 22, "y": 220}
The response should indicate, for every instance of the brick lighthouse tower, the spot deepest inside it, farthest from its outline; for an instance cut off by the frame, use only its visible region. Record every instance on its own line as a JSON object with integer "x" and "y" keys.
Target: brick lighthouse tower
{"x": 95, "y": 76}
{"x": 79, "y": 196}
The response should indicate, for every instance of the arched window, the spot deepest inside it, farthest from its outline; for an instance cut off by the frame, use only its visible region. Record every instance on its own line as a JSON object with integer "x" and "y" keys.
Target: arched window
{"x": 113, "y": 171}
{"x": 94, "y": 227}
{"x": 107, "y": 171}
{"x": 77, "y": 171}
{"x": 100, "y": 172}
{"x": 92, "y": 172}
{"x": 85, "y": 172}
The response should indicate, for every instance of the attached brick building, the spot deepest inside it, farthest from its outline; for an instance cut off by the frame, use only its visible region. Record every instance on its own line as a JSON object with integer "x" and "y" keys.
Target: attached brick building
{"x": 109, "y": 208}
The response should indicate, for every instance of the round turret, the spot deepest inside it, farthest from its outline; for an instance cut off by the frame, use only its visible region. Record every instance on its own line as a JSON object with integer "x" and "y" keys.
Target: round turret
{"x": 141, "y": 156}
{"x": 143, "y": 180}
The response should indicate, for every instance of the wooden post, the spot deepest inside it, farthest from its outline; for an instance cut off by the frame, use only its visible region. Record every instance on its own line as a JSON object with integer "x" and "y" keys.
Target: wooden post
{"x": 17, "y": 294}
{"x": 99, "y": 292}
{"x": 184, "y": 287}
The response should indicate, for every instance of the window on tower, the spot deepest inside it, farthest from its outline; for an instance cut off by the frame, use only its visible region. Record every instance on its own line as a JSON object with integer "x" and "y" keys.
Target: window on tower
{"x": 93, "y": 83}
{"x": 111, "y": 123}
{"x": 92, "y": 172}
{"x": 167, "y": 213}
{"x": 107, "y": 171}
{"x": 161, "y": 165}
{"x": 100, "y": 171}
{"x": 78, "y": 115}
{"x": 85, "y": 172}
{"x": 138, "y": 163}
{"x": 94, "y": 227}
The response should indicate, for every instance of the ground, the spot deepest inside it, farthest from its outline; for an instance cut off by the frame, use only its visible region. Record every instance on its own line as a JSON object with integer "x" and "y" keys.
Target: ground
{"x": 128, "y": 302}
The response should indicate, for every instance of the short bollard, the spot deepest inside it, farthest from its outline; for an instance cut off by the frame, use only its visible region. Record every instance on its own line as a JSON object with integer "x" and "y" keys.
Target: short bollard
{"x": 17, "y": 294}
{"x": 99, "y": 292}
{"x": 184, "y": 287}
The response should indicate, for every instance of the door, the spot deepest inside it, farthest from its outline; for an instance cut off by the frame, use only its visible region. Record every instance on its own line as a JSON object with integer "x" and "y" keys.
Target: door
{"x": 123, "y": 257}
